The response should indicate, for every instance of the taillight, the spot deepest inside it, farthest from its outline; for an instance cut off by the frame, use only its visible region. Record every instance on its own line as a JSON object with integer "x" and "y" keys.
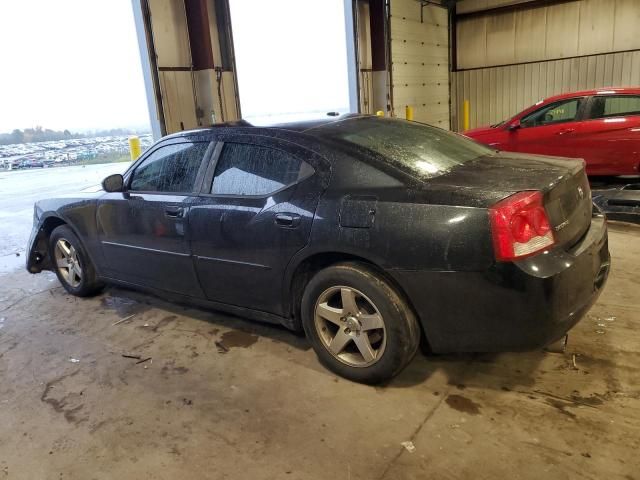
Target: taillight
{"x": 520, "y": 226}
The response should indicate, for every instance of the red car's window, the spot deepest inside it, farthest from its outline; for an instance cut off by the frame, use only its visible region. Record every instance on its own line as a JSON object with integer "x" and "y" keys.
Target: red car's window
{"x": 563, "y": 111}
{"x": 615, "y": 106}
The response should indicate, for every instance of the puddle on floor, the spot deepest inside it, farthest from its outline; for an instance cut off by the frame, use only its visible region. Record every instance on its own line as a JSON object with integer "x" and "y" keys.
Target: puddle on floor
{"x": 463, "y": 404}
{"x": 238, "y": 338}
{"x": 123, "y": 306}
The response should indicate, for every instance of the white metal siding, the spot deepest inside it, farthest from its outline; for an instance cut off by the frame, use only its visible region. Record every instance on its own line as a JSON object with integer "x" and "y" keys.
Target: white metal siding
{"x": 583, "y": 27}
{"x": 468, "y": 6}
{"x": 420, "y": 61}
{"x": 497, "y": 93}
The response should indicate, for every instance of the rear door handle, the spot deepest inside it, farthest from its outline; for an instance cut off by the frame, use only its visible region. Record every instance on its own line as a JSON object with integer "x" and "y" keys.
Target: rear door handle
{"x": 174, "y": 212}
{"x": 287, "y": 220}
{"x": 565, "y": 131}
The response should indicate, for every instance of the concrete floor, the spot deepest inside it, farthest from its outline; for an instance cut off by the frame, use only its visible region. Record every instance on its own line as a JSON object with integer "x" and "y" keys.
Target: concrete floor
{"x": 261, "y": 407}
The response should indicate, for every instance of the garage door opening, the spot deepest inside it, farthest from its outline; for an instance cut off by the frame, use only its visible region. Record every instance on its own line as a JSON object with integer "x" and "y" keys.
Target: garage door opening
{"x": 291, "y": 59}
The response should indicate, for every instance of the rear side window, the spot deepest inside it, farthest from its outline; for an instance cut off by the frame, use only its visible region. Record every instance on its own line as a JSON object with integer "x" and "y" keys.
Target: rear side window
{"x": 615, "y": 106}
{"x": 251, "y": 170}
{"x": 422, "y": 149}
{"x": 172, "y": 168}
{"x": 565, "y": 111}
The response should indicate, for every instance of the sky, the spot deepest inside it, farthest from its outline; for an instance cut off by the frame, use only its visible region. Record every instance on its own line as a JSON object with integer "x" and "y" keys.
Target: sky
{"x": 70, "y": 64}
{"x": 290, "y": 57}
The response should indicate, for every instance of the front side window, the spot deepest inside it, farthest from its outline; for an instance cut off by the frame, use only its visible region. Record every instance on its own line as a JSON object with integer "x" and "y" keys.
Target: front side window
{"x": 559, "y": 112}
{"x": 252, "y": 170}
{"x": 172, "y": 169}
{"x": 615, "y": 106}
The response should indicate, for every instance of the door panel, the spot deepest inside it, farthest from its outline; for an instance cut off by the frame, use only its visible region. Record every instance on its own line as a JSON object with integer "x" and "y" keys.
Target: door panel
{"x": 612, "y": 135}
{"x": 551, "y": 130}
{"x": 613, "y": 145}
{"x": 144, "y": 231}
{"x": 542, "y": 140}
{"x": 144, "y": 241}
{"x": 242, "y": 244}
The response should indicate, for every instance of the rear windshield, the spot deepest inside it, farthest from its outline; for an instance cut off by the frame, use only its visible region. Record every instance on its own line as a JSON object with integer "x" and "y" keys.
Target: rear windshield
{"x": 422, "y": 149}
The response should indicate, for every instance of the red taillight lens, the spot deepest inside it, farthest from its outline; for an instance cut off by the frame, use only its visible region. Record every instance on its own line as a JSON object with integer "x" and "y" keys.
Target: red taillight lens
{"x": 520, "y": 226}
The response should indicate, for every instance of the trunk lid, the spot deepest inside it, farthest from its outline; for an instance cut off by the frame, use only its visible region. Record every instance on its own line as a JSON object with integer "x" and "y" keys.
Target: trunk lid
{"x": 487, "y": 180}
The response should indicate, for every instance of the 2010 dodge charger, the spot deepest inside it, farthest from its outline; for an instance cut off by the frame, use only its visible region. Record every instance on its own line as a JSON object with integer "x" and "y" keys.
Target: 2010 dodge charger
{"x": 371, "y": 234}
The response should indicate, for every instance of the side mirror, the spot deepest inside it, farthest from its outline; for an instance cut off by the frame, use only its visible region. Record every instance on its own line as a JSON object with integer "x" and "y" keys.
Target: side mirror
{"x": 113, "y": 183}
{"x": 514, "y": 125}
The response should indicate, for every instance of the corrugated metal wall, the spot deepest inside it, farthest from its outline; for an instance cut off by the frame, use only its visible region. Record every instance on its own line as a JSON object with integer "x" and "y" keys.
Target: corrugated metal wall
{"x": 514, "y": 59}
{"x": 578, "y": 28}
{"x": 467, "y": 6}
{"x": 498, "y": 93}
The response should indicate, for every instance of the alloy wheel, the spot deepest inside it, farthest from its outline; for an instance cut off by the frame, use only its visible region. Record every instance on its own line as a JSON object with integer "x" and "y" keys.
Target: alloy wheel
{"x": 350, "y": 326}
{"x": 68, "y": 263}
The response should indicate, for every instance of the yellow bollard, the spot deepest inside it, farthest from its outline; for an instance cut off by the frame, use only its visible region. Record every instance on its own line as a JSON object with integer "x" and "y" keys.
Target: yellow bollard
{"x": 465, "y": 115}
{"x": 379, "y": 113}
{"x": 408, "y": 113}
{"x": 134, "y": 147}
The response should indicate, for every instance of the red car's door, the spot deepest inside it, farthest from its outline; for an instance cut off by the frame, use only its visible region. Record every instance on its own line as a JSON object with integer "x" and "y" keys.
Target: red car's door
{"x": 611, "y": 135}
{"x": 550, "y": 130}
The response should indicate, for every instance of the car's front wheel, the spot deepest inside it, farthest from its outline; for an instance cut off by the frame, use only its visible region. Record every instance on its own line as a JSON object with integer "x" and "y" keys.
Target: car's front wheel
{"x": 358, "y": 324}
{"x": 71, "y": 263}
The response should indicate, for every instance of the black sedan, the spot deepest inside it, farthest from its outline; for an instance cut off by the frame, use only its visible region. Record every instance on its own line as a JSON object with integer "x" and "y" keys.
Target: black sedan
{"x": 370, "y": 234}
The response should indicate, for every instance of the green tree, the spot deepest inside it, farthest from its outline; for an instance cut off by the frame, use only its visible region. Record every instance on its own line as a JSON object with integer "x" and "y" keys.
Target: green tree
{"x": 17, "y": 136}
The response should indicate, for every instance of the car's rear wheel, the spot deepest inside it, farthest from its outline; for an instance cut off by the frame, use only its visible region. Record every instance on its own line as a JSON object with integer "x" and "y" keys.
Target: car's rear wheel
{"x": 358, "y": 324}
{"x": 71, "y": 263}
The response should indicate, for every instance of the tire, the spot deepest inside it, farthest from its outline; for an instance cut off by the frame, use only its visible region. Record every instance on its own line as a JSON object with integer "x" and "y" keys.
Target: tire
{"x": 79, "y": 277}
{"x": 329, "y": 325}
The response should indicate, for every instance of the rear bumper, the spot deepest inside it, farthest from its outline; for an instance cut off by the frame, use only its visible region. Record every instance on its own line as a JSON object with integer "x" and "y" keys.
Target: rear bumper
{"x": 512, "y": 306}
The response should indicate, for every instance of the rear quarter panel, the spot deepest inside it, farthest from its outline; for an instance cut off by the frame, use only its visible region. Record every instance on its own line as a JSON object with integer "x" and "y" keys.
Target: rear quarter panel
{"x": 407, "y": 234}
{"x": 405, "y": 227}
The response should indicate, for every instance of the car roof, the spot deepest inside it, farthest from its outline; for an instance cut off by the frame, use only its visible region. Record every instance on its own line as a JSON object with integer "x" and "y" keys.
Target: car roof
{"x": 595, "y": 91}
{"x": 300, "y": 126}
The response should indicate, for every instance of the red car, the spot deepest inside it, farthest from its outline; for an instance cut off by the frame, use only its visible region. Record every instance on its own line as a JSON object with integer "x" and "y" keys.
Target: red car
{"x": 600, "y": 126}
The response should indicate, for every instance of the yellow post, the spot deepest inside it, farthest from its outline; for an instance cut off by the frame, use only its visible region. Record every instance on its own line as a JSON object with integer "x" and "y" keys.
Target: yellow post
{"x": 380, "y": 113}
{"x": 408, "y": 113}
{"x": 465, "y": 115}
{"x": 134, "y": 147}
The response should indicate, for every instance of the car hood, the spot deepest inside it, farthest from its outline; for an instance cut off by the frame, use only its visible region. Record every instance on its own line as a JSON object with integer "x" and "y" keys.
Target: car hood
{"x": 480, "y": 131}
{"x": 61, "y": 203}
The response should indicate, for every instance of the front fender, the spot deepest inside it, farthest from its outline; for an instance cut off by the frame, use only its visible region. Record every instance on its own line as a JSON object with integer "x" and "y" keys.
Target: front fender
{"x": 37, "y": 258}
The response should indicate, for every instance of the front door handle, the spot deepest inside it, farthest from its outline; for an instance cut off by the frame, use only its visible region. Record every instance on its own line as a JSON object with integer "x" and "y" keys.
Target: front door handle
{"x": 565, "y": 131}
{"x": 287, "y": 220}
{"x": 174, "y": 212}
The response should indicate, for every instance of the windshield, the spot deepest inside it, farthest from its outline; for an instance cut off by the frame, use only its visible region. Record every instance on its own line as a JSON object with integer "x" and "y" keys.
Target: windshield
{"x": 425, "y": 150}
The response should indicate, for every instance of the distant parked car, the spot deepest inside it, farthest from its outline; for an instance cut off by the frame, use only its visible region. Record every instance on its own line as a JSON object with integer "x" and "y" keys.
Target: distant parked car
{"x": 600, "y": 126}
{"x": 32, "y": 164}
{"x": 368, "y": 233}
